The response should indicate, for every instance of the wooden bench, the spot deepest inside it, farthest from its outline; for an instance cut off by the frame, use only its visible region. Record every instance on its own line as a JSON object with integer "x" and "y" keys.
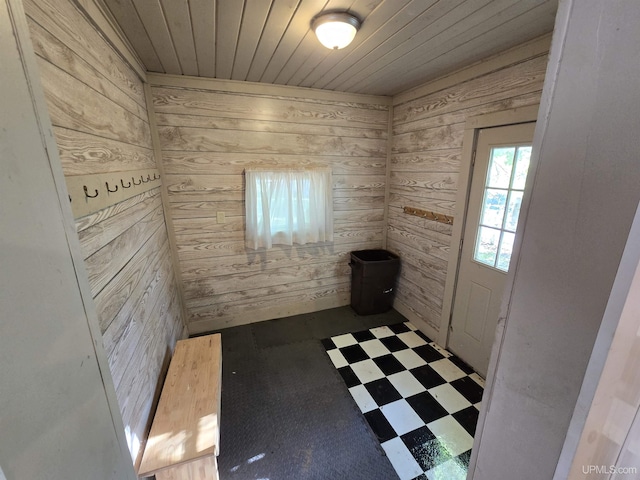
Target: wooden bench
{"x": 185, "y": 435}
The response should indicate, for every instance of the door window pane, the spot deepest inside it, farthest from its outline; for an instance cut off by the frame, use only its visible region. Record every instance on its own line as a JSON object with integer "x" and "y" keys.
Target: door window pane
{"x": 500, "y": 167}
{"x": 515, "y": 200}
{"x": 522, "y": 167}
{"x": 506, "y": 248}
{"x": 501, "y": 205}
{"x": 493, "y": 207}
{"x": 487, "y": 245}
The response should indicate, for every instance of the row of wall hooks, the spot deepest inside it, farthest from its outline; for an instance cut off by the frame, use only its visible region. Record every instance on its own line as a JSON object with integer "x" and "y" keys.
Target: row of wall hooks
{"x": 114, "y": 190}
{"x": 428, "y": 214}
{"x": 94, "y": 192}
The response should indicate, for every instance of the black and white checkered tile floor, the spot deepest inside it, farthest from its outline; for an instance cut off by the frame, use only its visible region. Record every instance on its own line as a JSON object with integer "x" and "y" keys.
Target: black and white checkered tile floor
{"x": 421, "y": 401}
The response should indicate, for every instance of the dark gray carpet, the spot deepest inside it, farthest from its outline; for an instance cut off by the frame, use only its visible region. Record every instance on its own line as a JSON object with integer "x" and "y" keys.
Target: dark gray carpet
{"x": 286, "y": 412}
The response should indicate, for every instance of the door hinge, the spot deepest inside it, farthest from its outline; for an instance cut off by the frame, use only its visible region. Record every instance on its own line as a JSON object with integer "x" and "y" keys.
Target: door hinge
{"x": 473, "y": 158}
{"x": 461, "y": 242}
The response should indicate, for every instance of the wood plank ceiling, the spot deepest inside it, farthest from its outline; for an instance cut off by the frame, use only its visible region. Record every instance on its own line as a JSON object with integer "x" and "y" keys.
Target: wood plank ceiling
{"x": 401, "y": 44}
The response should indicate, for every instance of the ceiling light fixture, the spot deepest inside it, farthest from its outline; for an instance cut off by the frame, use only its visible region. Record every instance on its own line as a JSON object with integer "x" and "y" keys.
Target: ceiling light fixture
{"x": 335, "y": 30}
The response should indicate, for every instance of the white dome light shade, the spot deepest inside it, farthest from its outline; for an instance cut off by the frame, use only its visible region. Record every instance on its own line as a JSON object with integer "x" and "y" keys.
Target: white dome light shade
{"x": 335, "y": 30}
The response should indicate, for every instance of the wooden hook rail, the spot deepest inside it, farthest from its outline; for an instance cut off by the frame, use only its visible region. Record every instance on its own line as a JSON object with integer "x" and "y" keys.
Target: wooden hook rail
{"x": 437, "y": 217}
{"x": 90, "y": 193}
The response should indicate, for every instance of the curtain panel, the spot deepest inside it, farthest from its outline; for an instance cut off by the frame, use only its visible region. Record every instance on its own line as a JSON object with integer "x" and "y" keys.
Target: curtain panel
{"x": 286, "y": 207}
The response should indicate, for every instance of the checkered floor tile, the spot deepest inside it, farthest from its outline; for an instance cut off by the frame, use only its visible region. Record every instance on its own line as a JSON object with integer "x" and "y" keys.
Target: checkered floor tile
{"x": 421, "y": 401}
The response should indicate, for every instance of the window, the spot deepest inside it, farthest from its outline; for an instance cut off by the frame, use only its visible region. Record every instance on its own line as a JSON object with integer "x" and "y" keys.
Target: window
{"x": 288, "y": 206}
{"x": 503, "y": 192}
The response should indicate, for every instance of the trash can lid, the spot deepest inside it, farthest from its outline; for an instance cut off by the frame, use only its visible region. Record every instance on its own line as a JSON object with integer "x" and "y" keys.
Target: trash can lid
{"x": 373, "y": 255}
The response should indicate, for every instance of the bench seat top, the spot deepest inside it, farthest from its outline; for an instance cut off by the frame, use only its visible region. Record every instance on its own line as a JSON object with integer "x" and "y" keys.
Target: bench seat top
{"x": 186, "y": 425}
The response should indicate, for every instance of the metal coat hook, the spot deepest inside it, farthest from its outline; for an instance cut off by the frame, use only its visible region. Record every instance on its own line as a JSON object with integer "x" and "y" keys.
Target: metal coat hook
{"x": 109, "y": 190}
{"x": 156, "y": 177}
{"x": 142, "y": 179}
{"x": 134, "y": 181}
{"x": 86, "y": 192}
{"x": 149, "y": 177}
{"x": 123, "y": 185}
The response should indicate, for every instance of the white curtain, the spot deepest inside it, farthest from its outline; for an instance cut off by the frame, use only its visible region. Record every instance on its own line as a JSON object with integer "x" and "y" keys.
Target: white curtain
{"x": 288, "y": 206}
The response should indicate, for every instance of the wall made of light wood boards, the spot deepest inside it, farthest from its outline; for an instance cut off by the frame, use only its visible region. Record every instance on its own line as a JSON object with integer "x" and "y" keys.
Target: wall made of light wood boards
{"x": 425, "y": 163}
{"x": 209, "y": 132}
{"x": 97, "y": 107}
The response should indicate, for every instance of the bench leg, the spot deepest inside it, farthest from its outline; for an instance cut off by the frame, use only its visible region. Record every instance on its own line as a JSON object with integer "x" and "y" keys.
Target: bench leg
{"x": 203, "y": 469}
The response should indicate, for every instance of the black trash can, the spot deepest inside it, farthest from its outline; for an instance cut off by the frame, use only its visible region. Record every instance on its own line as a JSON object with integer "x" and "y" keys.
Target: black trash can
{"x": 373, "y": 280}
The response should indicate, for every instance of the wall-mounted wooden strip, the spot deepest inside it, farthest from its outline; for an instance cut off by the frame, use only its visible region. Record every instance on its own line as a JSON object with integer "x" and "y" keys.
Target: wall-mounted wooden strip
{"x": 90, "y": 193}
{"x": 421, "y": 223}
{"x": 438, "y": 217}
{"x": 425, "y": 203}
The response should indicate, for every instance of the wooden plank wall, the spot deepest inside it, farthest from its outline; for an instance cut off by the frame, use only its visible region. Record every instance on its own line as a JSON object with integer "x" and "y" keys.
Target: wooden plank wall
{"x": 209, "y": 132}
{"x": 98, "y": 110}
{"x": 428, "y": 126}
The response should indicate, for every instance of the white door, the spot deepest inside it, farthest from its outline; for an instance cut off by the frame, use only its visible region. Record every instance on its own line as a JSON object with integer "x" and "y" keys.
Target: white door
{"x": 497, "y": 187}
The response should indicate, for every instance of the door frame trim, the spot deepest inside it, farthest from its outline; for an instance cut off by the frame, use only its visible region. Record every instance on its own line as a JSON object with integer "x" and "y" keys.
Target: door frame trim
{"x": 471, "y": 128}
